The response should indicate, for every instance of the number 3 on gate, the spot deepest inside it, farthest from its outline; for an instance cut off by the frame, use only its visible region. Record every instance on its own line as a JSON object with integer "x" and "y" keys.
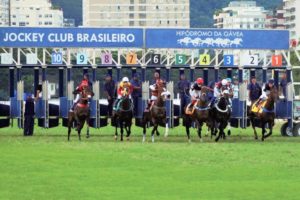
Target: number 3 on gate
{"x": 204, "y": 59}
{"x": 228, "y": 60}
{"x": 131, "y": 59}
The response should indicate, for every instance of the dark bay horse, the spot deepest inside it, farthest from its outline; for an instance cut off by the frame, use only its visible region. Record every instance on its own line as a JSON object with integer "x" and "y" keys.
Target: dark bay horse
{"x": 81, "y": 113}
{"x": 200, "y": 114}
{"x": 220, "y": 114}
{"x": 267, "y": 116}
{"x": 157, "y": 115}
{"x": 122, "y": 116}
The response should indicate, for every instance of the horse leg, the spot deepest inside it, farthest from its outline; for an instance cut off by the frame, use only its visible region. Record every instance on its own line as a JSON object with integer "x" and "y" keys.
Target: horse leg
{"x": 167, "y": 129}
{"x": 199, "y": 130}
{"x": 144, "y": 127}
{"x": 116, "y": 127}
{"x": 128, "y": 131}
{"x": 263, "y": 128}
{"x": 271, "y": 129}
{"x": 187, "y": 127}
{"x": 253, "y": 126}
{"x": 122, "y": 130}
{"x": 87, "y": 127}
{"x": 229, "y": 129}
{"x": 79, "y": 127}
{"x": 153, "y": 131}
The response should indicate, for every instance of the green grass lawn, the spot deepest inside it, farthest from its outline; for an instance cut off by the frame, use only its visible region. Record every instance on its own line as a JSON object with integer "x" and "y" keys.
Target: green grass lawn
{"x": 46, "y": 166}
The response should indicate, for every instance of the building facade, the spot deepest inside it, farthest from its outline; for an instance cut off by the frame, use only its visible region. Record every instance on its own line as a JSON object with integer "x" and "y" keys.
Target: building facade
{"x": 292, "y": 17}
{"x": 35, "y": 13}
{"x": 275, "y": 19}
{"x": 136, "y": 13}
{"x": 241, "y": 15}
{"x": 4, "y": 12}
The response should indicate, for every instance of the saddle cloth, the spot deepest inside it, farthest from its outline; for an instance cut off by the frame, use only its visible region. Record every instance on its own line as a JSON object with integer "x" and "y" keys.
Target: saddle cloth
{"x": 258, "y": 108}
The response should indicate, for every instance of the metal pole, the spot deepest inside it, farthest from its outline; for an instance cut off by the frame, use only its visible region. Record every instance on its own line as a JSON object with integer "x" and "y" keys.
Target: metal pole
{"x": 61, "y": 82}
{"x": 205, "y": 76}
{"x": 36, "y": 79}
{"x": 11, "y": 81}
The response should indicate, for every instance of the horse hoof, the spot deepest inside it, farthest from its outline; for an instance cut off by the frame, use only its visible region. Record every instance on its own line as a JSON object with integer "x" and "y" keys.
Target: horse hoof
{"x": 116, "y": 137}
{"x": 256, "y": 138}
{"x": 229, "y": 133}
{"x": 87, "y": 136}
{"x": 127, "y": 138}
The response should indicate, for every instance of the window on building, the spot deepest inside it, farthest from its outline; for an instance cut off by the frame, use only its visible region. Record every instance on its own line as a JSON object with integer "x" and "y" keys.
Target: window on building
{"x": 22, "y": 24}
{"x": 40, "y": 23}
{"x": 157, "y": 7}
{"x": 168, "y": 22}
{"x": 40, "y": 16}
{"x": 176, "y": 22}
{"x": 27, "y": 16}
{"x": 14, "y": 16}
{"x": 31, "y": 8}
{"x": 46, "y": 16}
{"x": 131, "y": 1}
{"x": 142, "y": 23}
{"x": 50, "y": 23}
{"x": 142, "y": 15}
{"x": 131, "y": 15}
{"x": 119, "y": 8}
{"x": 14, "y": 23}
{"x": 131, "y": 23}
{"x": 50, "y": 15}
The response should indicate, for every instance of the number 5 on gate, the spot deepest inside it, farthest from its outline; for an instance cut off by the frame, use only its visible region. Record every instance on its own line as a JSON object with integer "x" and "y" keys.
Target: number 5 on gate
{"x": 131, "y": 59}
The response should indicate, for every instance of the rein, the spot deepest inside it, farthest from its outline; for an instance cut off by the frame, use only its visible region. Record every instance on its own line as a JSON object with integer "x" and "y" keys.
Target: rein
{"x": 219, "y": 109}
{"x": 124, "y": 110}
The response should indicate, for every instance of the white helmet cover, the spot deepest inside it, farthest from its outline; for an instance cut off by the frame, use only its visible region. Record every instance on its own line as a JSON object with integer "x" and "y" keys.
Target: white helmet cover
{"x": 125, "y": 79}
{"x": 224, "y": 82}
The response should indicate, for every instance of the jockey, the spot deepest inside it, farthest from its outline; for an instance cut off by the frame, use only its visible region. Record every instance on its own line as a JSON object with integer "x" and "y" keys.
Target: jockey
{"x": 266, "y": 91}
{"x": 157, "y": 88}
{"x": 124, "y": 89}
{"x": 84, "y": 83}
{"x": 195, "y": 91}
{"x": 220, "y": 87}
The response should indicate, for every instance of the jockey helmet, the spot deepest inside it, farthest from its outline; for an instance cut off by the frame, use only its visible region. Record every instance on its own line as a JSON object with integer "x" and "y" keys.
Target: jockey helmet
{"x": 199, "y": 81}
{"x": 224, "y": 82}
{"x": 125, "y": 79}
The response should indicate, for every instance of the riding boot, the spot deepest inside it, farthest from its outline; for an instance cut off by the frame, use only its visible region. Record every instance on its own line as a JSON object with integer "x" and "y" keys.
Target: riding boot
{"x": 115, "y": 107}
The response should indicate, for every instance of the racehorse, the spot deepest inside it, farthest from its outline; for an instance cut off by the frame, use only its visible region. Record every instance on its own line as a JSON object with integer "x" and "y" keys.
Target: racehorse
{"x": 81, "y": 113}
{"x": 200, "y": 114}
{"x": 267, "y": 115}
{"x": 156, "y": 115}
{"x": 220, "y": 114}
{"x": 123, "y": 115}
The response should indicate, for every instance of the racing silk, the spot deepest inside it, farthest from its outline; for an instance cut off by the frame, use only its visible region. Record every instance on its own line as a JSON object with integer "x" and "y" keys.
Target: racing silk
{"x": 157, "y": 88}
{"x": 125, "y": 88}
{"x": 265, "y": 91}
{"x": 83, "y": 83}
{"x": 219, "y": 88}
{"x": 195, "y": 91}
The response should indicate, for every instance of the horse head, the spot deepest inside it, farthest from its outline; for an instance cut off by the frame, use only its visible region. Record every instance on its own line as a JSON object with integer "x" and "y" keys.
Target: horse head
{"x": 86, "y": 93}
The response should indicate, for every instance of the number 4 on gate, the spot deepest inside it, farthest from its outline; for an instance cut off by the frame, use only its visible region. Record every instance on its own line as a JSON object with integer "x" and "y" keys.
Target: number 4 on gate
{"x": 204, "y": 59}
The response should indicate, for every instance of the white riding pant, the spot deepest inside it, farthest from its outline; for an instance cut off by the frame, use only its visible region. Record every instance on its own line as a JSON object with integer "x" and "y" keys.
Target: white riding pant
{"x": 77, "y": 98}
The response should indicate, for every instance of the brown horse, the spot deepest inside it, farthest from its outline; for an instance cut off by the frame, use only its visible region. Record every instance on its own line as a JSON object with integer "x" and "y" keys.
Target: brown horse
{"x": 81, "y": 113}
{"x": 157, "y": 115}
{"x": 200, "y": 114}
{"x": 267, "y": 116}
{"x": 122, "y": 116}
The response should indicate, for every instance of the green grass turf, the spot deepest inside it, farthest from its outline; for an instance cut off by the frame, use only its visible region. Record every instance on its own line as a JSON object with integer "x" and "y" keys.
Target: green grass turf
{"x": 46, "y": 166}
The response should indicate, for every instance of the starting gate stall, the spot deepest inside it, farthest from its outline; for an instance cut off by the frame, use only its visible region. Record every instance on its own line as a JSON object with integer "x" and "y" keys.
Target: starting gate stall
{"x": 142, "y": 103}
{"x": 17, "y": 105}
{"x": 66, "y": 103}
{"x": 46, "y": 113}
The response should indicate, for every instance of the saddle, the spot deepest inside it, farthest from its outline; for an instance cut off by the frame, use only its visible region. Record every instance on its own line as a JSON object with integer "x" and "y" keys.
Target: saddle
{"x": 258, "y": 107}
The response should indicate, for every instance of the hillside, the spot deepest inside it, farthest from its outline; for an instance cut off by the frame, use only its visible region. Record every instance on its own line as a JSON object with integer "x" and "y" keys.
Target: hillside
{"x": 201, "y": 10}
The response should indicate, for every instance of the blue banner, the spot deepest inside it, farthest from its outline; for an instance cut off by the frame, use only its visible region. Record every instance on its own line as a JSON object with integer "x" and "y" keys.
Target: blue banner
{"x": 71, "y": 37}
{"x": 217, "y": 39}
